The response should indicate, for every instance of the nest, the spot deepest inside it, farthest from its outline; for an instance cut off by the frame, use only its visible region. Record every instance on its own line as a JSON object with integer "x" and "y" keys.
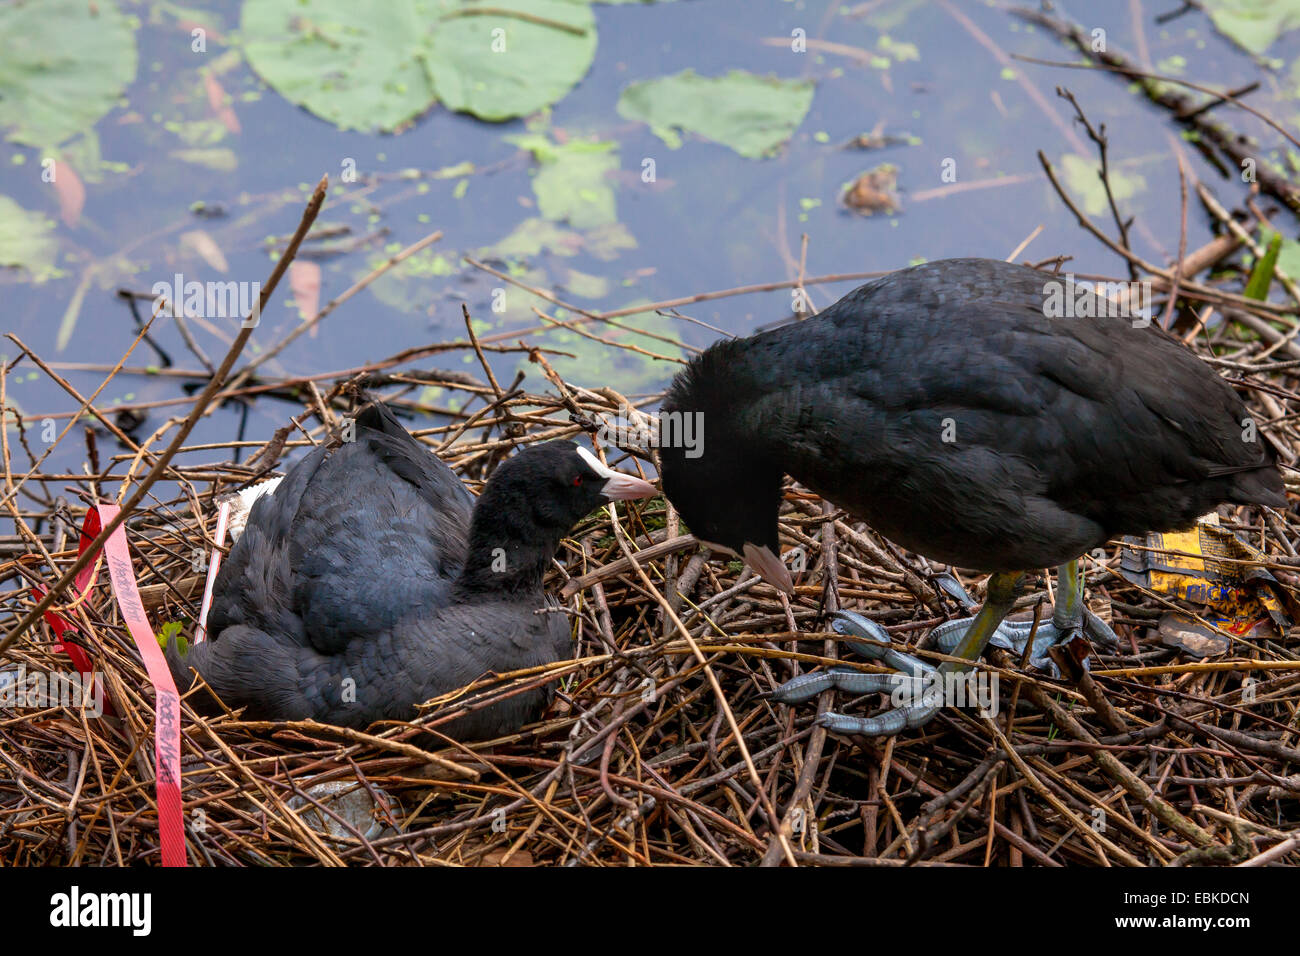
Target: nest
{"x": 662, "y": 746}
{"x": 1148, "y": 759}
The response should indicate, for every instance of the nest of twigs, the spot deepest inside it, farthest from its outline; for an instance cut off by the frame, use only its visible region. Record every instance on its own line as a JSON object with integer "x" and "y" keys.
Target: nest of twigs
{"x": 1150, "y": 759}
{"x": 662, "y": 746}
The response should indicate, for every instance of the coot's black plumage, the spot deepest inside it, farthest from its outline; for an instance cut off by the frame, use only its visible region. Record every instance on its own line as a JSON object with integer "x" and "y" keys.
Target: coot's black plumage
{"x": 942, "y": 405}
{"x": 370, "y": 580}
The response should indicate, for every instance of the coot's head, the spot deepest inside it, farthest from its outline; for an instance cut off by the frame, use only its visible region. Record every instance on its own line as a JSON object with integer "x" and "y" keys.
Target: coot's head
{"x": 729, "y": 505}
{"x": 530, "y": 503}
{"x": 712, "y": 462}
{"x": 554, "y": 484}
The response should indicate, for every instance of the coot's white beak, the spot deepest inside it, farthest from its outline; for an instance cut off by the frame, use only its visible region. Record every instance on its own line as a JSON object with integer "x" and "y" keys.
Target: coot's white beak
{"x": 769, "y": 567}
{"x": 617, "y": 486}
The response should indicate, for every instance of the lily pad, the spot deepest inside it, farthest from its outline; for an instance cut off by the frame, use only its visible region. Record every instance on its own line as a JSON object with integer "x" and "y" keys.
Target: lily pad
{"x": 572, "y": 184}
{"x": 379, "y": 66}
{"x": 1254, "y": 24}
{"x": 1081, "y": 175}
{"x": 413, "y": 284}
{"x": 526, "y": 66}
{"x": 27, "y": 241}
{"x": 597, "y": 363}
{"x": 754, "y": 115}
{"x": 63, "y": 65}
{"x": 532, "y": 237}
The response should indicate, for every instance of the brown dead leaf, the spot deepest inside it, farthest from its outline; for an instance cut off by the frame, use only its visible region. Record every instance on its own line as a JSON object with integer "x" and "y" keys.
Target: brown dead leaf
{"x": 304, "y": 282}
{"x": 71, "y": 193}
{"x": 199, "y": 242}
{"x": 217, "y": 102}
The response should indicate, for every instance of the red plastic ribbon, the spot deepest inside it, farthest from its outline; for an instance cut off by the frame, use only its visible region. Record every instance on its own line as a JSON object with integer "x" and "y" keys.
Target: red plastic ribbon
{"x": 60, "y": 624}
{"x": 167, "y": 712}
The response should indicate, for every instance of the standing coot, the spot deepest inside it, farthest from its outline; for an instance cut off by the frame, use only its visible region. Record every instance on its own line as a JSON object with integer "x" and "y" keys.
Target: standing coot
{"x": 950, "y": 409}
{"x": 370, "y": 581}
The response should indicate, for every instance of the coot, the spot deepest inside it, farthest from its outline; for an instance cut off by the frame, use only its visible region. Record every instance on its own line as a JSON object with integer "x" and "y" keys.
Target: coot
{"x": 953, "y": 408}
{"x": 370, "y": 581}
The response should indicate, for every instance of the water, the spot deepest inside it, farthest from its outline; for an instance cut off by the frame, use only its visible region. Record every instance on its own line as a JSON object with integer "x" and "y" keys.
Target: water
{"x": 712, "y": 220}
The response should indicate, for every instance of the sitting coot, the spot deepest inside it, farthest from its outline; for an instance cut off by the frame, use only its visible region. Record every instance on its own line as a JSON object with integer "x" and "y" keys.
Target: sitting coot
{"x": 947, "y": 407}
{"x": 370, "y": 581}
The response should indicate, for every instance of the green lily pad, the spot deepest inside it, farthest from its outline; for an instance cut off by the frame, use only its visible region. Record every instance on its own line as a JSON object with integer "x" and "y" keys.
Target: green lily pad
{"x": 537, "y": 64}
{"x": 63, "y": 65}
{"x": 585, "y": 285}
{"x": 379, "y": 66}
{"x": 754, "y": 115}
{"x": 1254, "y": 24}
{"x": 597, "y": 363}
{"x": 607, "y": 243}
{"x": 27, "y": 241}
{"x": 532, "y": 237}
{"x": 1082, "y": 179}
{"x": 413, "y": 284}
{"x": 572, "y": 184}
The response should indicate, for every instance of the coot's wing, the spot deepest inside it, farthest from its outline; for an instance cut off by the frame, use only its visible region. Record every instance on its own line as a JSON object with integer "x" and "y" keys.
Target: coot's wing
{"x": 379, "y": 533}
{"x": 424, "y": 657}
{"x": 254, "y": 586}
{"x": 955, "y": 394}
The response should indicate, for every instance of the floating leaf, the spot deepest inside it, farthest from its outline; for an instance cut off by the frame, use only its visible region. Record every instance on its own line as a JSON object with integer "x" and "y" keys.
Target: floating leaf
{"x": 218, "y": 102}
{"x": 379, "y": 66}
{"x": 27, "y": 241}
{"x": 524, "y": 67}
{"x": 221, "y": 159}
{"x": 754, "y": 115}
{"x": 597, "y": 363}
{"x": 1254, "y": 24}
{"x": 63, "y": 65}
{"x": 1083, "y": 177}
{"x": 71, "y": 193}
{"x": 608, "y": 242}
{"x": 532, "y": 237}
{"x": 206, "y": 247}
{"x": 304, "y": 283}
{"x": 584, "y": 285}
{"x": 414, "y": 283}
{"x": 572, "y": 184}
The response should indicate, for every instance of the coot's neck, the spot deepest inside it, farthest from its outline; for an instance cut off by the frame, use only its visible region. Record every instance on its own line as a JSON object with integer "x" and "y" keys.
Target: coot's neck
{"x": 508, "y": 551}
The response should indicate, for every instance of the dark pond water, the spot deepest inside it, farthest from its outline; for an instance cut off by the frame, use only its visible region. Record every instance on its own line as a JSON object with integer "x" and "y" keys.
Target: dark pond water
{"x": 937, "y": 75}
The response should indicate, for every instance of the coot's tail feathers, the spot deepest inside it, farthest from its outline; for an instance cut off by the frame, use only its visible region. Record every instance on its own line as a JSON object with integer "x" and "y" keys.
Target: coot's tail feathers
{"x": 412, "y": 461}
{"x": 1259, "y": 486}
{"x": 377, "y": 416}
{"x": 178, "y": 664}
{"x": 245, "y": 668}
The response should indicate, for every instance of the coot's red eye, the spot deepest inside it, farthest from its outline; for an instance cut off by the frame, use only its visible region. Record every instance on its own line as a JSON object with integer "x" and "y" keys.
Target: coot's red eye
{"x": 577, "y": 481}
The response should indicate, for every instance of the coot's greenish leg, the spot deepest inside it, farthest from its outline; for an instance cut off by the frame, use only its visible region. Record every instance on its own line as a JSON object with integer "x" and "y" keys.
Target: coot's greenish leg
{"x": 1068, "y": 617}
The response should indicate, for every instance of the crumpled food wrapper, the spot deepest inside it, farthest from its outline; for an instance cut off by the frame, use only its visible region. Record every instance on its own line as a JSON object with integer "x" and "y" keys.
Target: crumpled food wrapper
{"x": 1201, "y": 566}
